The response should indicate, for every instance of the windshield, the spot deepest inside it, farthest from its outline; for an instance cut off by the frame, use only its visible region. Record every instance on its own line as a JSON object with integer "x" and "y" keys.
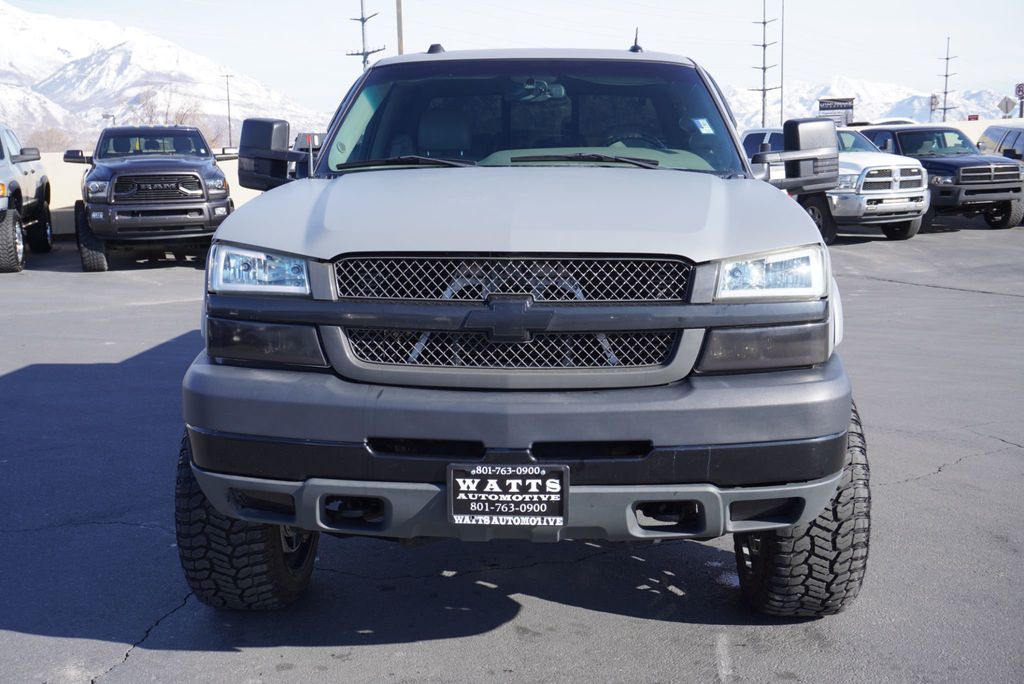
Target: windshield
{"x": 504, "y": 112}
{"x": 935, "y": 142}
{"x": 852, "y": 141}
{"x": 138, "y": 143}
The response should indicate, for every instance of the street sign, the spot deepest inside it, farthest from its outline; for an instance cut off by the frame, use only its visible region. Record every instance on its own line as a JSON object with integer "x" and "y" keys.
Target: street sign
{"x": 1007, "y": 105}
{"x": 1019, "y": 91}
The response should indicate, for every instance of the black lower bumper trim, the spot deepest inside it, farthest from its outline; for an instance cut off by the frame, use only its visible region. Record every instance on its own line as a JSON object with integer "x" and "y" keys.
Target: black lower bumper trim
{"x": 766, "y": 463}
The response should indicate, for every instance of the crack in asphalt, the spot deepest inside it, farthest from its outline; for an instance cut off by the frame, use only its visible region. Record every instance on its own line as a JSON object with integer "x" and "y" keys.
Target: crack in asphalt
{"x": 1000, "y": 439}
{"x": 85, "y": 523}
{"x": 934, "y": 287}
{"x": 145, "y": 635}
{"x": 942, "y": 467}
{"x": 476, "y": 571}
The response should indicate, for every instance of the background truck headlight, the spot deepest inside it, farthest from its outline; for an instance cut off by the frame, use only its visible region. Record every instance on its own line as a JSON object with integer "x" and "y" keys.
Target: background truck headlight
{"x": 97, "y": 189}
{"x": 798, "y": 273}
{"x": 237, "y": 269}
{"x": 941, "y": 180}
{"x": 847, "y": 182}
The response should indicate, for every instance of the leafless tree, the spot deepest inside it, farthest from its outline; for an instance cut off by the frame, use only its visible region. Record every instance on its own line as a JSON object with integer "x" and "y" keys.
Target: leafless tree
{"x": 49, "y": 140}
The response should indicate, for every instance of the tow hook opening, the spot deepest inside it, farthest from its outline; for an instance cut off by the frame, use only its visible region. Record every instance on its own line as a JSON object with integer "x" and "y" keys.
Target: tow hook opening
{"x": 784, "y": 511}
{"x": 670, "y": 516}
{"x": 348, "y": 511}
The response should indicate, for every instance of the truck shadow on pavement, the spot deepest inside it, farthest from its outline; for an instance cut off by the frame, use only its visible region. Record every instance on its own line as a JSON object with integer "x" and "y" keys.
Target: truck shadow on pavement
{"x": 64, "y": 259}
{"x": 86, "y": 523}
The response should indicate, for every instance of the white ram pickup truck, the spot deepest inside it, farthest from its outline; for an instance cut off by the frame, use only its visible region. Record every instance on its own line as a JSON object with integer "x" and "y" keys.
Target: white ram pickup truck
{"x": 875, "y": 188}
{"x": 535, "y": 295}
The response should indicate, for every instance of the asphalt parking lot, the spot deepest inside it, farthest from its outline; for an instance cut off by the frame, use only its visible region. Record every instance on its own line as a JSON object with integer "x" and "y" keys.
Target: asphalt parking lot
{"x": 91, "y": 590}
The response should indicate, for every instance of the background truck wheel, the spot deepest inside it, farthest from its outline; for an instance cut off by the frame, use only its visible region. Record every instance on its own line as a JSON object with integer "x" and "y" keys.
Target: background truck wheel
{"x": 1005, "y": 215}
{"x": 12, "y": 243}
{"x": 235, "y": 564}
{"x": 814, "y": 569}
{"x": 902, "y": 230}
{"x": 40, "y": 234}
{"x": 817, "y": 208}
{"x": 92, "y": 249}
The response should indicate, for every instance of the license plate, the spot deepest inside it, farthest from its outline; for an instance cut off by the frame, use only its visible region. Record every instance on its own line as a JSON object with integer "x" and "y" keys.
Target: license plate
{"x": 508, "y": 495}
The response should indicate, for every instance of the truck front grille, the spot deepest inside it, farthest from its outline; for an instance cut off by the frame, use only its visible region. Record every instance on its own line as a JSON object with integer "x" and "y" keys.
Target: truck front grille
{"x": 889, "y": 179}
{"x": 991, "y": 173}
{"x": 543, "y": 351}
{"x": 474, "y": 279}
{"x": 158, "y": 188}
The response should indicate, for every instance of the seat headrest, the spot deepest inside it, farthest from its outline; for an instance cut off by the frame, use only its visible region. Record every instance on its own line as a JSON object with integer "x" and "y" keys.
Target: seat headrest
{"x": 182, "y": 145}
{"x": 444, "y": 132}
{"x": 152, "y": 145}
{"x": 122, "y": 145}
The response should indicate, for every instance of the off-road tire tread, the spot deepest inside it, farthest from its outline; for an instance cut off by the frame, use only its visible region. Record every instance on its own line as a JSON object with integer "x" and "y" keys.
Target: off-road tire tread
{"x": 1013, "y": 219}
{"x": 902, "y": 230}
{"x": 817, "y": 569}
{"x": 90, "y": 247}
{"x": 37, "y": 240}
{"x": 9, "y": 262}
{"x": 228, "y": 563}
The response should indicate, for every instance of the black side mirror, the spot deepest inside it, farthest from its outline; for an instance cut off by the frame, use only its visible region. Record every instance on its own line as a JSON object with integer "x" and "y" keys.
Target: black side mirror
{"x": 263, "y": 154}
{"x": 811, "y": 156}
{"x": 76, "y": 157}
{"x": 28, "y": 154}
{"x": 1011, "y": 153}
{"x": 226, "y": 154}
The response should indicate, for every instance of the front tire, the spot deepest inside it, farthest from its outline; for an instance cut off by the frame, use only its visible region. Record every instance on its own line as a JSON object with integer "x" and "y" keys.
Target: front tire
{"x": 818, "y": 209}
{"x": 12, "y": 243}
{"x": 1005, "y": 215}
{"x": 814, "y": 569}
{"x": 235, "y": 564}
{"x": 902, "y": 230}
{"x": 40, "y": 234}
{"x": 91, "y": 248}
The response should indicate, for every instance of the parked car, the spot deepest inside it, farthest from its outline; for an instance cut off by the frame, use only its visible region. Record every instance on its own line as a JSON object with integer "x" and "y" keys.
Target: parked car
{"x": 962, "y": 179}
{"x": 874, "y": 188}
{"x": 24, "y": 202}
{"x": 533, "y": 295}
{"x": 148, "y": 187}
{"x": 1006, "y": 140}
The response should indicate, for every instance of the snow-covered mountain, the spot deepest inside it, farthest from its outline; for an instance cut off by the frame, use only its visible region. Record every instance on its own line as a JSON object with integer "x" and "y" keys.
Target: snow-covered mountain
{"x": 871, "y": 101}
{"x": 63, "y": 75}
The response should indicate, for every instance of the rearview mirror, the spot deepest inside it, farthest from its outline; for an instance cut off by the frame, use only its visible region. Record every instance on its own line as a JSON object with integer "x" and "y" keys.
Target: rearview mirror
{"x": 76, "y": 157}
{"x": 28, "y": 154}
{"x": 810, "y": 156}
{"x": 263, "y": 154}
{"x": 226, "y": 154}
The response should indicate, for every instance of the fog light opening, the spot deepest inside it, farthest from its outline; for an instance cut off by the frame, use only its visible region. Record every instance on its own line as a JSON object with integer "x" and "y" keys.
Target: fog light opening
{"x": 345, "y": 511}
{"x": 670, "y": 516}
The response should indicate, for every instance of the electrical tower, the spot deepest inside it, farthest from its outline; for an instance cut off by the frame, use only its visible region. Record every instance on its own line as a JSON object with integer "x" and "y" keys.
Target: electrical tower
{"x": 362, "y": 19}
{"x": 764, "y": 45}
{"x": 945, "y": 82}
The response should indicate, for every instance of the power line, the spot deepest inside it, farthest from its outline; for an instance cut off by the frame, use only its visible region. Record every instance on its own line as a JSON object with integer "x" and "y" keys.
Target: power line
{"x": 945, "y": 82}
{"x": 362, "y": 19}
{"x": 764, "y": 45}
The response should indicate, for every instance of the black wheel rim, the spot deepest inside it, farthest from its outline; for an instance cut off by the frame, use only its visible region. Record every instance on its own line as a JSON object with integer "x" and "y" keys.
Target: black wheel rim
{"x": 750, "y": 553}
{"x": 815, "y": 215}
{"x": 296, "y": 545}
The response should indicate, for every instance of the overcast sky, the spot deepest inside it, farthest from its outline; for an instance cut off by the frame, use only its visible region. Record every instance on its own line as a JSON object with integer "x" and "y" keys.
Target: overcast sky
{"x": 298, "y": 47}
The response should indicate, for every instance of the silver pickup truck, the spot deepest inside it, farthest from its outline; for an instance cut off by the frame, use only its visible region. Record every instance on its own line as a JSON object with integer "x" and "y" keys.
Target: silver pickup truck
{"x": 875, "y": 188}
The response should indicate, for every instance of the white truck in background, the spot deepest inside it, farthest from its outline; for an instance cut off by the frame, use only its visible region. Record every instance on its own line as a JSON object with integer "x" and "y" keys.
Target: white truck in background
{"x": 875, "y": 188}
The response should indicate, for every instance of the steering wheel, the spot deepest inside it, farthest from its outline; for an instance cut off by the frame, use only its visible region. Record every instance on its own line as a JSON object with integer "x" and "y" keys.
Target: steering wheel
{"x": 633, "y": 138}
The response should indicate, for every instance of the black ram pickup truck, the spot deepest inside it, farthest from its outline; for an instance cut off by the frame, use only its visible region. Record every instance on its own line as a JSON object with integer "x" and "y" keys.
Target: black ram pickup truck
{"x": 148, "y": 188}
{"x": 962, "y": 179}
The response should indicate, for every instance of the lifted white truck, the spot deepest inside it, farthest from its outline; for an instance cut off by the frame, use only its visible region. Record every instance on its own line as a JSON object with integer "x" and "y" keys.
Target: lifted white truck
{"x": 535, "y": 295}
{"x": 875, "y": 188}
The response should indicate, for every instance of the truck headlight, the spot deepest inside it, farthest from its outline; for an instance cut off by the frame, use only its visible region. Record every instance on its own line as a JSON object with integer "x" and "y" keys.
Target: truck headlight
{"x": 798, "y": 273}
{"x": 216, "y": 185}
{"x": 941, "y": 180}
{"x": 97, "y": 189}
{"x": 847, "y": 182}
{"x": 237, "y": 269}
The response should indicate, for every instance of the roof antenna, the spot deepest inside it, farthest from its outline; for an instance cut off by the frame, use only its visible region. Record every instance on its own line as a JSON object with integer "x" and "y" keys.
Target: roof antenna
{"x": 635, "y": 47}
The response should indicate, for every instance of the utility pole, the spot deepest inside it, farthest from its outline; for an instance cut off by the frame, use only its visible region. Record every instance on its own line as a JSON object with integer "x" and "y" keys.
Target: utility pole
{"x": 398, "y": 17}
{"x": 362, "y": 19}
{"x": 227, "y": 86}
{"x": 945, "y": 82}
{"x": 764, "y": 45}
{"x": 782, "y": 66}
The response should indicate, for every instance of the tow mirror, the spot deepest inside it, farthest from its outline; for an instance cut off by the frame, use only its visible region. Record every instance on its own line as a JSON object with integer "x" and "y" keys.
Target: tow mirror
{"x": 810, "y": 156}
{"x": 28, "y": 154}
{"x": 226, "y": 154}
{"x": 263, "y": 154}
{"x": 76, "y": 157}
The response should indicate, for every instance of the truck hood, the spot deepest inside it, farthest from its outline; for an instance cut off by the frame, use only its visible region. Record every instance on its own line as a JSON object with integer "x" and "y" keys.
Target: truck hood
{"x": 108, "y": 168}
{"x": 855, "y": 162}
{"x": 953, "y": 163}
{"x": 560, "y": 209}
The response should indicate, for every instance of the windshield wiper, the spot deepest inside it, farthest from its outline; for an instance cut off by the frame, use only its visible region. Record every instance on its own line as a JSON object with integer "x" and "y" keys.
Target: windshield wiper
{"x": 589, "y": 156}
{"x": 404, "y": 160}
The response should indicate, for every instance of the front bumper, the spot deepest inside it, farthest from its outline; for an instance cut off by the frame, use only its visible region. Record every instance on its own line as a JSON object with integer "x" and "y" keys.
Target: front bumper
{"x": 855, "y": 208}
{"x": 974, "y": 195}
{"x": 714, "y": 440}
{"x": 157, "y": 221}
